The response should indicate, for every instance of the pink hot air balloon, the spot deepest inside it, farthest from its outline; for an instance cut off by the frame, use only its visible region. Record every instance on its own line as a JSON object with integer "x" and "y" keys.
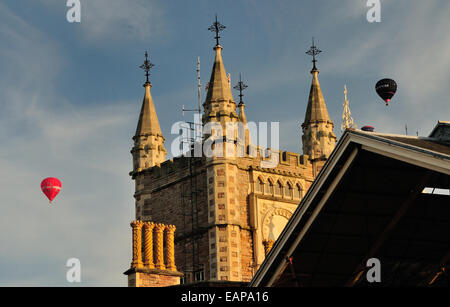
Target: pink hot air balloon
{"x": 51, "y": 187}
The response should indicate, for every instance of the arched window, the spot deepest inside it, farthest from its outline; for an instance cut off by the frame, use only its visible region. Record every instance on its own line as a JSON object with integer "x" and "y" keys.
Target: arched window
{"x": 268, "y": 188}
{"x": 288, "y": 190}
{"x": 278, "y": 188}
{"x": 259, "y": 186}
{"x": 297, "y": 191}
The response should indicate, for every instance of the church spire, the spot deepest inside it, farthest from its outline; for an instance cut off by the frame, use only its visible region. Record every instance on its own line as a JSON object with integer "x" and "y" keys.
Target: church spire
{"x": 241, "y": 86}
{"x": 219, "y": 104}
{"x": 219, "y": 87}
{"x": 148, "y": 120}
{"x": 317, "y": 109}
{"x": 148, "y": 149}
{"x": 318, "y": 136}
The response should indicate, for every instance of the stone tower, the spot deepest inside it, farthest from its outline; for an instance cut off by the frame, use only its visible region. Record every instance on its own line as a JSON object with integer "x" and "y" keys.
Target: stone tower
{"x": 228, "y": 210}
{"x": 318, "y": 137}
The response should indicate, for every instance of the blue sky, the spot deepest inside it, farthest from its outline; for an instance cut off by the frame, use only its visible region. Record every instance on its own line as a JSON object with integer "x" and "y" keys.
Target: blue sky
{"x": 70, "y": 97}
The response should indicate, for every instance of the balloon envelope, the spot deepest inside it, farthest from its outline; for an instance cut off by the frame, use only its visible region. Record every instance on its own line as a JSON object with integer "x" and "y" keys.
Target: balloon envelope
{"x": 51, "y": 187}
{"x": 386, "y": 89}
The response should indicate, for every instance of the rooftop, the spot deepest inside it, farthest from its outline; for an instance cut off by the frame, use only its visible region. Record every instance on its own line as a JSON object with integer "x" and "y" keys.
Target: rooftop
{"x": 369, "y": 201}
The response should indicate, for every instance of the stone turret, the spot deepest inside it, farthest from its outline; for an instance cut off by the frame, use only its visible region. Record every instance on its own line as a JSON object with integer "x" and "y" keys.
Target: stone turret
{"x": 219, "y": 104}
{"x": 148, "y": 149}
{"x": 318, "y": 136}
{"x": 241, "y": 86}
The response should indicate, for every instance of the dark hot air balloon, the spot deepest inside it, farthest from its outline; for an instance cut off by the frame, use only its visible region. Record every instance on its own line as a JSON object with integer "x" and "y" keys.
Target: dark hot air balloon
{"x": 51, "y": 187}
{"x": 368, "y": 129}
{"x": 386, "y": 89}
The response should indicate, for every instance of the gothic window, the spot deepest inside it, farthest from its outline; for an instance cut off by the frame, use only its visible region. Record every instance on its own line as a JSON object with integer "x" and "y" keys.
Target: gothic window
{"x": 288, "y": 191}
{"x": 259, "y": 186}
{"x": 199, "y": 275}
{"x": 297, "y": 191}
{"x": 268, "y": 188}
{"x": 278, "y": 188}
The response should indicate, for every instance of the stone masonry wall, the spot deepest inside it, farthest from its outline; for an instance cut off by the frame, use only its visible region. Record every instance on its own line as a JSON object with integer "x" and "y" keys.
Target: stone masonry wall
{"x": 224, "y": 234}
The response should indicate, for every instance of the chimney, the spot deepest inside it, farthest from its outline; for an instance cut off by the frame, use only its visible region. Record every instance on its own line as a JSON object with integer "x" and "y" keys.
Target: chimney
{"x": 150, "y": 267}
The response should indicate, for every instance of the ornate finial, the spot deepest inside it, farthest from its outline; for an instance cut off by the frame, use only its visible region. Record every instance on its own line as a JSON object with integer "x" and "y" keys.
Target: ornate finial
{"x": 240, "y": 86}
{"x": 216, "y": 27}
{"x": 313, "y": 51}
{"x": 347, "y": 119}
{"x": 147, "y": 66}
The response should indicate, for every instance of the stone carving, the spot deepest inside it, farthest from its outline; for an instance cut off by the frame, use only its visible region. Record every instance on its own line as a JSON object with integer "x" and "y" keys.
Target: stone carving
{"x": 170, "y": 254}
{"x": 268, "y": 246}
{"x": 159, "y": 246}
{"x": 274, "y": 221}
{"x": 137, "y": 232}
{"x": 149, "y": 237}
{"x": 148, "y": 245}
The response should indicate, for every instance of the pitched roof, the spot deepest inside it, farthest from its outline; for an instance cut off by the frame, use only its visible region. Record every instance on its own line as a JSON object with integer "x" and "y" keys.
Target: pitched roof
{"x": 441, "y": 131}
{"x": 368, "y": 201}
{"x": 420, "y": 142}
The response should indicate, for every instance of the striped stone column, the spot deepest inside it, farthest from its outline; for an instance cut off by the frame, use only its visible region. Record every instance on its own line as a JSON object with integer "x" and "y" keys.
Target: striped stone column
{"x": 159, "y": 246}
{"x": 148, "y": 245}
{"x": 137, "y": 247}
{"x": 170, "y": 247}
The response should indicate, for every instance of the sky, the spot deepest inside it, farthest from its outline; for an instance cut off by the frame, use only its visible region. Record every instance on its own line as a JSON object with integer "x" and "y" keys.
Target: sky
{"x": 70, "y": 96}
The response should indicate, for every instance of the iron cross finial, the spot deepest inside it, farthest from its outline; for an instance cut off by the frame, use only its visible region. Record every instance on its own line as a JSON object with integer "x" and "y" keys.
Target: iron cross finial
{"x": 240, "y": 86}
{"x": 313, "y": 51}
{"x": 146, "y": 67}
{"x": 217, "y": 27}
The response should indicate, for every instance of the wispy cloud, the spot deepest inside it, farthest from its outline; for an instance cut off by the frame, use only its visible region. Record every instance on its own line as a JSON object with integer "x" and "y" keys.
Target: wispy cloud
{"x": 43, "y": 134}
{"x": 122, "y": 21}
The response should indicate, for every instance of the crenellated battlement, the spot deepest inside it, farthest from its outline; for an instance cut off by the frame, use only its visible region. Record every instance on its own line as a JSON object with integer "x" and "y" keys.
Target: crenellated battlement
{"x": 255, "y": 156}
{"x": 275, "y": 162}
{"x": 167, "y": 168}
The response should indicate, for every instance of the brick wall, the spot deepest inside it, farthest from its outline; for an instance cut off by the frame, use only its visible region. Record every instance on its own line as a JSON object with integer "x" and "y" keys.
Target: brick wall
{"x": 153, "y": 279}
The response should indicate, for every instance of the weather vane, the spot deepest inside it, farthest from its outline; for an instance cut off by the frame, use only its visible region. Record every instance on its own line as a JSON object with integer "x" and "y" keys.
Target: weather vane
{"x": 313, "y": 51}
{"x": 240, "y": 86}
{"x": 147, "y": 66}
{"x": 217, "y": 27}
